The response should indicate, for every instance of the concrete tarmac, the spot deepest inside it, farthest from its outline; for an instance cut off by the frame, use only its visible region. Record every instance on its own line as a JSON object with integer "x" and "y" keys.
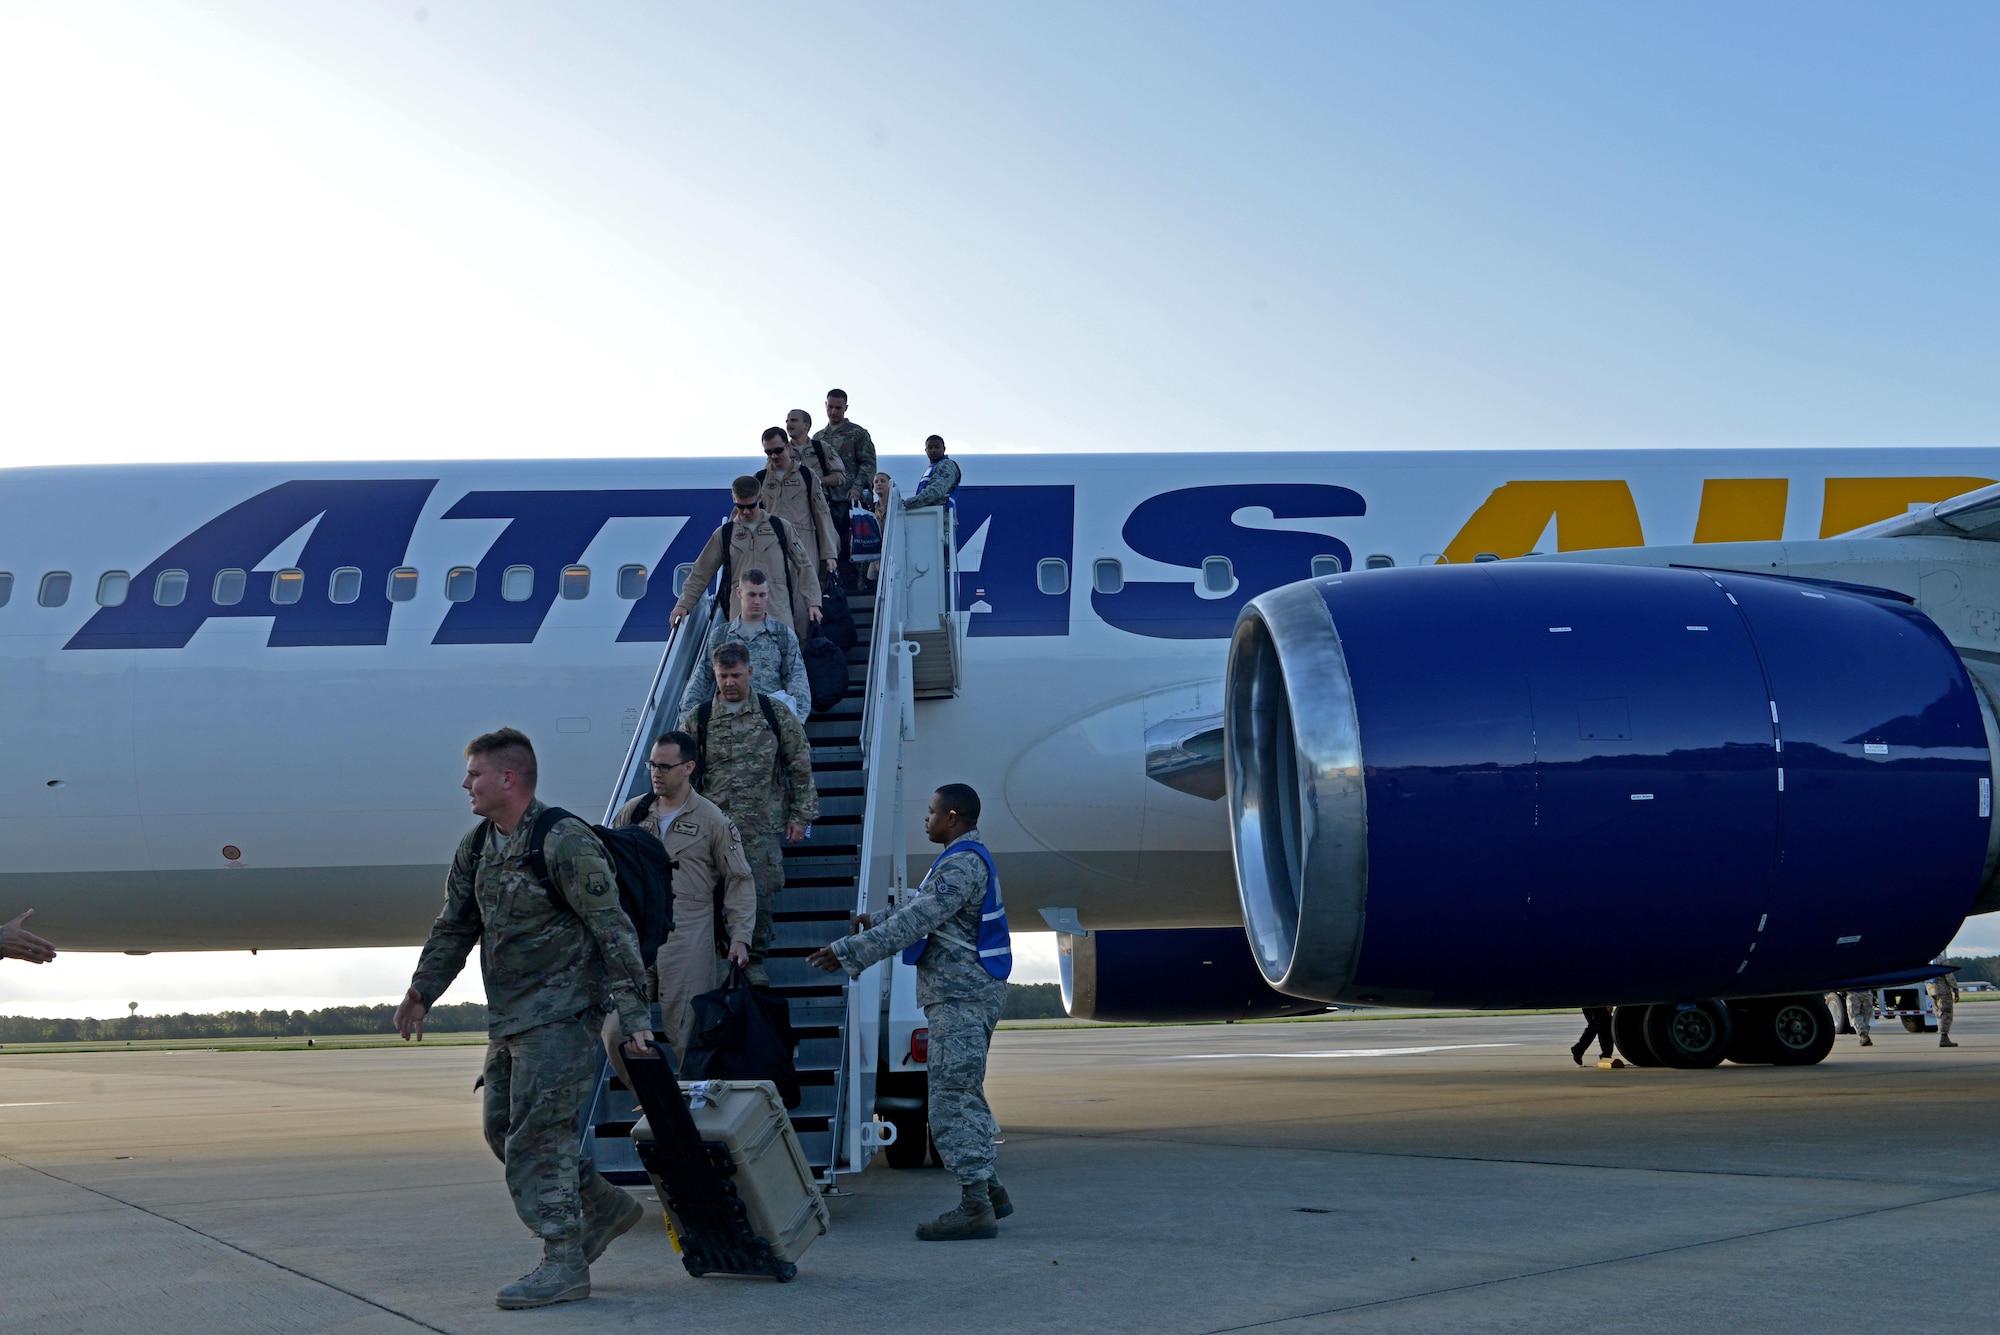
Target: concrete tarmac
{"x": 1386, "y": 1175}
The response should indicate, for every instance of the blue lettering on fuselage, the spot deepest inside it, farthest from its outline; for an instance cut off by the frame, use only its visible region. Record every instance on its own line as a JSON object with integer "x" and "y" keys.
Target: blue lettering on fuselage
{"x": 364, "y": 523}
{"x": 550, "y": 530}
{"x": 368, "y": 524}
{"x": 1024, "y": 527}
{"x": 1186, "y": 528}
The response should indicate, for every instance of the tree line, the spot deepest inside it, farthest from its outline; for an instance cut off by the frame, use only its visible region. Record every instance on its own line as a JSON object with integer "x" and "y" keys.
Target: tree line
{"x": 1032, "y": 1001}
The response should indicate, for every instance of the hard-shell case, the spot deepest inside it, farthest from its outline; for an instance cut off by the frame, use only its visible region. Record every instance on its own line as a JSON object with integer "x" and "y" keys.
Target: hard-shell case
{"x": 732, "y": 1176}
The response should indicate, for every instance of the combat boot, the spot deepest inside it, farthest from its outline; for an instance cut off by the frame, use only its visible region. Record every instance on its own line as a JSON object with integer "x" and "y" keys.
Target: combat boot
{"x": 972, "y": 1219}
{"x": 1946, "y": 1043}
{"x": 562, "y": 1277}
{"x": 1867, "y": 1042}
{"x": 1002, "y": 1204}
{"x": 607, "y": 1214}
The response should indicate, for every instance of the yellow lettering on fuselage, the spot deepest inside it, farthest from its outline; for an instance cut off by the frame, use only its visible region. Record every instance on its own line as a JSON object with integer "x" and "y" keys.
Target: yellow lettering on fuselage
{"x": 1587, "y": 515}
{"x": 1742, "y": 509}
{"x": 1854, "y": 501}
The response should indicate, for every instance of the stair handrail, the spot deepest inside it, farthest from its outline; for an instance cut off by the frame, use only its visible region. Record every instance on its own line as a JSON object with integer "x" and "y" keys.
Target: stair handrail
{"x": 677, "y": 659}
{"x": 881, "y": 759}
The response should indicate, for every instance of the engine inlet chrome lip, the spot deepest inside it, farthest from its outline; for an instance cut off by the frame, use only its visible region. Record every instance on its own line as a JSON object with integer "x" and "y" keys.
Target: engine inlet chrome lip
{"x": 1298, "y": 810}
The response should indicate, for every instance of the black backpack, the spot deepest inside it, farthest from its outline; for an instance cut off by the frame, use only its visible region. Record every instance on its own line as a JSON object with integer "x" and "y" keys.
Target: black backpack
{"x": 645, "y": 875}
{"x": 741, "y": 1033}
{"x": 826, "y": 671}
{"x": 836, "y": 618}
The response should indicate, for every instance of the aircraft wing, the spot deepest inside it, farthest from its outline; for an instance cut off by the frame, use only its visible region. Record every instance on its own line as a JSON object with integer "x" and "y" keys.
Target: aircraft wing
{"x": 1974, "y": 515}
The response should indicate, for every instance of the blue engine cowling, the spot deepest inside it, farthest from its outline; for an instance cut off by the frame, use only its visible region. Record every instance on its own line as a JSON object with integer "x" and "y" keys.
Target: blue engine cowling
{"x": 1562, "y": 784}
{"x": 1145, "y": 977}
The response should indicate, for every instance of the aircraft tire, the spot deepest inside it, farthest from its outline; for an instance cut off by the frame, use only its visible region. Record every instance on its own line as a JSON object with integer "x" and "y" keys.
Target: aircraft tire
{"x": 1689, "y": 1038}
{"x": 1750, "y": 1044}
{"x": 1800, "y": 1029}
{"x": 1628, "y": 1031}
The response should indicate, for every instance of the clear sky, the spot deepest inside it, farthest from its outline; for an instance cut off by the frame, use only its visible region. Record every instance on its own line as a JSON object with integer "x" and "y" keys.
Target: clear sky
{"x": 266, "y": 230}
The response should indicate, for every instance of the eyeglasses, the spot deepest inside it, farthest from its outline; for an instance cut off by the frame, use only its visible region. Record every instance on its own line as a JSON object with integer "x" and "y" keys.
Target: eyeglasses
{"x": 772, "y": 454}
{"x": 659, "y": 768}
{"x": 745, "y": 507}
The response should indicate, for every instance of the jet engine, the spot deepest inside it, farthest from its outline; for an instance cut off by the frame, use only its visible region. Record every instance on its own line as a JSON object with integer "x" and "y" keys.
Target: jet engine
{"x": 1528, "y": 784}
{"x": 1147, "y": 977}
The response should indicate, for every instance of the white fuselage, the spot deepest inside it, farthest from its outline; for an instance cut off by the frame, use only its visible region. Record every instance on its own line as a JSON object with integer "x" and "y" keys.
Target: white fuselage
{"x": 194, "y": 769}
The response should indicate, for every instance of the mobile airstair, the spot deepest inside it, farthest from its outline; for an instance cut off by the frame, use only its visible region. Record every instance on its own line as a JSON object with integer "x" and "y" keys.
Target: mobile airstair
{"x": 859, "y": 1066}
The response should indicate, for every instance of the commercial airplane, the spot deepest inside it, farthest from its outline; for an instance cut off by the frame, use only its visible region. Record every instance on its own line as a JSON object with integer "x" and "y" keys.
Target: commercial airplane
{"x": 232, "y": 700}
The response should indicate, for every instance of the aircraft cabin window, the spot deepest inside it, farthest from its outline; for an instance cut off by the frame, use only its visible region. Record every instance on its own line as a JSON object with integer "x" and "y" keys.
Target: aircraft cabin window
{"x": 1107, "y": 576}
{"x": 1218, "y": 575}
{"x": 402, "y": 584}
{"x": 344, "y": 585}
{"x": 631, "y": 582}
{"x": 171, "y": 588}
{"x": 576, "y": 582}
{"x": 1325, "y": 565}
{"x": 517, "y": 583}
{"x": 229, "y": 586}
{"x": 1052, "y": 575}
{"x": 1381, "y": 562}
{"x": 6, "y": 587}
{"x": 287, "y": 585}
{"x": 55, "y": 589}
{"x": 113, "y": 588}
{"x": 682, "y": 573}
{"x": 459, "y": 582}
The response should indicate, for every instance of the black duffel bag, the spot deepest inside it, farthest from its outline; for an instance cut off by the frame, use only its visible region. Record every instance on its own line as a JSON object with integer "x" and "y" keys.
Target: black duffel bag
{"x": 741, "y": 1033}
{"x": 826, "y": 672}
{"x": 836, "y": 618}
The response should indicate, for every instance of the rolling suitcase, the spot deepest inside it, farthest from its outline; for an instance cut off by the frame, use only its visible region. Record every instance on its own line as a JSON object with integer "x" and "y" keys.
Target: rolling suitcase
{"x": 738, "y": 1193}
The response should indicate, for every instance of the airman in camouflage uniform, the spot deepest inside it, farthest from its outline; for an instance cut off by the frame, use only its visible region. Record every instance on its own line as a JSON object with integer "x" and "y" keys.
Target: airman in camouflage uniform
{"x": 850, "y": 440}
{"x": 962, "y": 1004}
{"x": 777, "y": 666}
{"x": 761, "y": 780}
{"x": 549, "y": 970}
{"x": 850, "y": 443}
{"x": 1944, "y": 998}
{"x": 940, "y": 480}
{"x": 1859, "y": 1012}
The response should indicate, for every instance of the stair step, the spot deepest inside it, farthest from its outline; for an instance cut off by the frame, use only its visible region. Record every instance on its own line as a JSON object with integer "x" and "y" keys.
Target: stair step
{"x": 808, "y": 934}
{"x": 814, "y": 900}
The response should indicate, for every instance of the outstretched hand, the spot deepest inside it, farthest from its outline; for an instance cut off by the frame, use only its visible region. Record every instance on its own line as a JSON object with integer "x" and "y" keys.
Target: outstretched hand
{"x": 18, "y": 943}
{"x": 824, "y": 958}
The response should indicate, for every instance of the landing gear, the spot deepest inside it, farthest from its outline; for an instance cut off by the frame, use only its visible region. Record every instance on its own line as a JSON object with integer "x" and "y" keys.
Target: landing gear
{"x": 1689, "y": 1036}
{"x": 1782, "y": 1031}
{"x": 1628, "y": 1030}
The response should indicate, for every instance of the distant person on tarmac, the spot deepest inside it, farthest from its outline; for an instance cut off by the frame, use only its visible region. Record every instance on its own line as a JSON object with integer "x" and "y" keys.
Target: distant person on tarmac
{"x": 1860, "y": 1013}
{"x": 754, "y": 762}
{"x": 708, "y": 859}
{"x": 1944, "y": 999}
{"x": 939, "y": 481}
{"x": 957, "y": 921}
{"x": 777, "y": 668}
{"x": 18, "y": 943}
{"x": 549, "y": 965}
{"x": 1597, "y": 1025}
{"x": 750, "y": 539}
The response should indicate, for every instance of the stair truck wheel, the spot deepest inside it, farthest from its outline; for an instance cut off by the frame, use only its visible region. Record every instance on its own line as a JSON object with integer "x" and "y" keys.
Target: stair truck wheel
{"x": 1915, "y": 1024}
{"x": 1800, "y": 1029}
{"x": 1628, "y": 1030}
{"x": 1689, "y": 1036}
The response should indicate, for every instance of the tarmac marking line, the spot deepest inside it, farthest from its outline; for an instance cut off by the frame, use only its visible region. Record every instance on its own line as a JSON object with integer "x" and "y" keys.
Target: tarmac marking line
{"x": 1324, "y": 1052}
{"x": 1604, "y": 1261}
{"x": 234, "y": 1247}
